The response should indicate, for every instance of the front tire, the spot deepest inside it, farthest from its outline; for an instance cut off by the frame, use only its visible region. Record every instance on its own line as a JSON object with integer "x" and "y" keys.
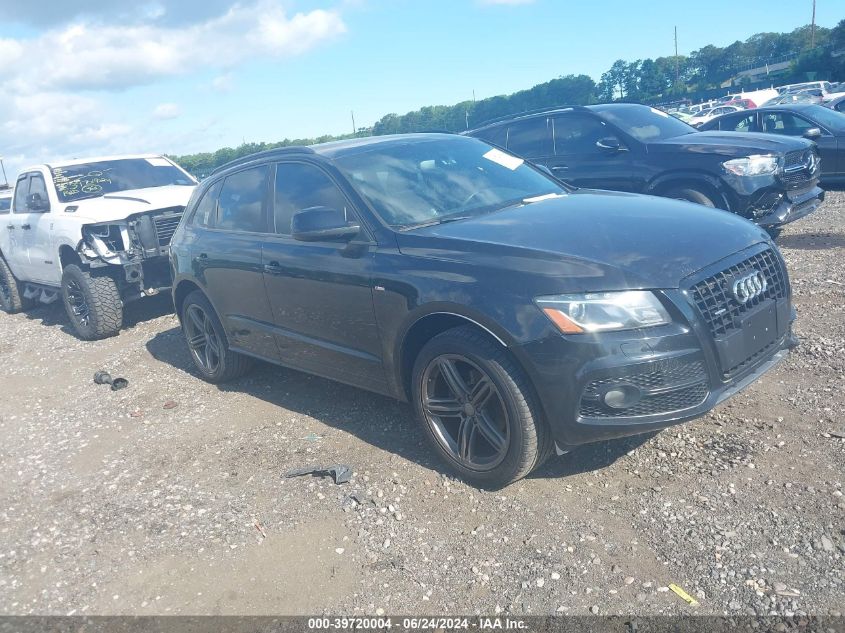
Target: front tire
{"x": 478, "y": 409}
{"x": 691, "y": 195}
{"x": 93, "y": 304}
{"x": 207, "y": 342}
{"x": 11, "y": 291}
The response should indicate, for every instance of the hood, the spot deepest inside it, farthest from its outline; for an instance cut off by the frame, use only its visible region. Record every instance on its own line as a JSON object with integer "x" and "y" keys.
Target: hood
{"x": 729, "y": 144}
{"x": 593, "y": 240}
{"x": 120, "y": 205}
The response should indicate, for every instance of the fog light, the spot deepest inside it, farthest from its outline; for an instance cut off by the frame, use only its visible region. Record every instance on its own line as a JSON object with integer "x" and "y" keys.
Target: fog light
{"x": 622, "y": 396}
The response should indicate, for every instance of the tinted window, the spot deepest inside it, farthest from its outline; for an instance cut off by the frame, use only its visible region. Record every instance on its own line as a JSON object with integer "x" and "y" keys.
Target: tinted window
{"x": 300, "y": 186}
{"x": 21, "y": 191}
{"x": 742, "y": 123}
{"x": 206, "y": 212}
{"x": 785, "y": 123}
{"x": 495, "y": 136}
{"x": 5, "y": 205}
{"x": 426, "y": 182}
{"x": 578, "y": 134}
{"x": 530, "y": 138}
{"x": 241, "y": 203}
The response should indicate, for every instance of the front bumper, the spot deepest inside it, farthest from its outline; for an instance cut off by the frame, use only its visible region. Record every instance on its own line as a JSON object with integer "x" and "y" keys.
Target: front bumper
{"x": 791, "y": 207}
{"x": 678, "y": 370}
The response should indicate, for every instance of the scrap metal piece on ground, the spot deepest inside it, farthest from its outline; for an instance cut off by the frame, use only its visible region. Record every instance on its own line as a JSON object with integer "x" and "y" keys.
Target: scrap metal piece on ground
{"x": 683, "y": 595}
{"x": 104, "y": 378}
{"x": 341, "y": 473}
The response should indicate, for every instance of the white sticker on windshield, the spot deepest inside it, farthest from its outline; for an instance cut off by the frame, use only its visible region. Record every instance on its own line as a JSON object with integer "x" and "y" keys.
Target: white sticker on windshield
{"x": 159, "y": 162}
{"x": 505, "y": 160}
{"x": 660, "y": 112}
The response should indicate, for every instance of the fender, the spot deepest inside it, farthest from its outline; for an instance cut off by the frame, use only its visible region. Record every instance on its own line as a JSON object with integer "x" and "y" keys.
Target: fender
{"x": 690, "y": 176}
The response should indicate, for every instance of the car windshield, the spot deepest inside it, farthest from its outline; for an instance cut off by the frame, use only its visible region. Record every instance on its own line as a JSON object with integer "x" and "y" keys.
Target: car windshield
{"x": 646, "y": 124}
{"x": 90, "y": 180}
{"x": 830, "y": 119}
{"x": 442, "y": 179}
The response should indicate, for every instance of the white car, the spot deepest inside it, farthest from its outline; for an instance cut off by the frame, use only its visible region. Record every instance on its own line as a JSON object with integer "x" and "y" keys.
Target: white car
{"x": 94, "y": 232}
{"x": 5, "y": 199}
{"x": 705, "y": 115}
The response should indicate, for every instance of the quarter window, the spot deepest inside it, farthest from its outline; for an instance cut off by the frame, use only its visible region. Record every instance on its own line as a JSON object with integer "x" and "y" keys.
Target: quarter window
{"x": 530, "y": 138}
{"x": 301, "y": 186}
{"x": 206, "y": 211}
{"x": 241, "y": 203}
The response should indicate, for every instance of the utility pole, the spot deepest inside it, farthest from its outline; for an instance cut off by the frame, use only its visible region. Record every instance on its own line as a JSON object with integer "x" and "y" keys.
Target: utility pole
{"x": 813, "y": 27}
{"x": 677, "y": 73}
{"x": 354, "y": 129}
{"x": 5, "y": 180}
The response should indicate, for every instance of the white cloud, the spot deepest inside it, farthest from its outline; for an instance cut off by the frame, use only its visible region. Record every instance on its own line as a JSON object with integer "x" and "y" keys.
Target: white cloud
{"x": 54, "y": 103}
{"x": 167, "y": 111}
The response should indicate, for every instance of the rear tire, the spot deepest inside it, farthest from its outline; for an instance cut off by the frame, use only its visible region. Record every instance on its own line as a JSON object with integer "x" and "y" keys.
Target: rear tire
{"x": 207, "y": 342}
{"x": 93, "y": 304}
{"x": 11, "y": 291}
{"x": 478, "y": 409}
{"x": 691, "y": 195}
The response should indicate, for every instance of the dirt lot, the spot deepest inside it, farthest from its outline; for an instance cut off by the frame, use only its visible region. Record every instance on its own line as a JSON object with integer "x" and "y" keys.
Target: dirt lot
{"x": 168, "y": 497}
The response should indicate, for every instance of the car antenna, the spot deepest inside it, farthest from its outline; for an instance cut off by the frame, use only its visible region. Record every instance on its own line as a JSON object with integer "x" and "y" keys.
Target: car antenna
{"x": 5, "y": 179}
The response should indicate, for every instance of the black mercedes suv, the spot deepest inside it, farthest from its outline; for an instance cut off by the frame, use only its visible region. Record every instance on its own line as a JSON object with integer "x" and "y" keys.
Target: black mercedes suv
{"x": 629, "y": 147}
{"x": 516, "y": 315}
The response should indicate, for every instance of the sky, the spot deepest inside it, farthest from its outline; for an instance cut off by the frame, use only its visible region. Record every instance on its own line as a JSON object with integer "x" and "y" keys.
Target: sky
{"x": 90, "y": 78}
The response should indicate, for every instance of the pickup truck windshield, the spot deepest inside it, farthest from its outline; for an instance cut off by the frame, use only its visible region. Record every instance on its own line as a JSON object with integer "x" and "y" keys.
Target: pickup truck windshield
{"x": 421, "y": 183}
{"x": 90, "y": 180}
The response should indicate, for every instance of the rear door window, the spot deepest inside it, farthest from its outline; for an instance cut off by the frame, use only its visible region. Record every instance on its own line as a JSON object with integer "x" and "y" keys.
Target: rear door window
{"x": 530, "y": 138}
{"x": 242, "y": 201}
{"x": 497, "y": 136}
{"x": 5, "y": 205}
{"x": 738, "y": 123}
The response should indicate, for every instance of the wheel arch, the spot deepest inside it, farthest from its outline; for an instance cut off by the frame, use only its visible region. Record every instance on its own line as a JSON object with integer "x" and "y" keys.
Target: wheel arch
{"x": 181, "y": 291}
{"x": 706, "y": 183}
{"x": 426, "y": 326}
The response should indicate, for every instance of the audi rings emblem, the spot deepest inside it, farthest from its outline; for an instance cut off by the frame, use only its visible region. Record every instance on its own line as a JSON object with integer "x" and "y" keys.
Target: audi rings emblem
{"x": 750, "y": 286}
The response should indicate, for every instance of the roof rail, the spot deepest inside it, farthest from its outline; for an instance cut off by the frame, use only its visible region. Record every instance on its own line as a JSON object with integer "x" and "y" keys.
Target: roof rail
{"x": 517, "y": 115}
{"x": 289, "y": 149}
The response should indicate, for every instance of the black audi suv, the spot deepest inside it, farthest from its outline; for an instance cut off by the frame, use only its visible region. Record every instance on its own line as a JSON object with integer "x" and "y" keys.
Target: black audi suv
{"x": 516, "y": 315}
{"x": 629, "y": 147}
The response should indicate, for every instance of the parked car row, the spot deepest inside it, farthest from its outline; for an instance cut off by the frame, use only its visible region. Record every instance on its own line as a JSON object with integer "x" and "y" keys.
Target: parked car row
{"x": 484, "y": 278}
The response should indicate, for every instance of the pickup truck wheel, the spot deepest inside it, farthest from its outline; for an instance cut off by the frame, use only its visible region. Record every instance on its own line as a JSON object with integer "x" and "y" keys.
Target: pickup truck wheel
{"x": 11, "y": 292}
{"x": 207, "y": 342}
{"x": 478, "y": 409}
{"x": 93, "y": 304}
{"x": 690, "y": 195}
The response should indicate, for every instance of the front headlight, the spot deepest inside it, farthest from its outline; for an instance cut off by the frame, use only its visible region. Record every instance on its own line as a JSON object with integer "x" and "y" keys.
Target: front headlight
{"x": 757, "y": 165}
{"x": 603, "y": 311}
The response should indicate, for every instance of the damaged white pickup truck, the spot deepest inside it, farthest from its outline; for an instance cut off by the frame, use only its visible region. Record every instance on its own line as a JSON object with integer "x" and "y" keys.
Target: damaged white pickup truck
{"x": 94, "y": 233}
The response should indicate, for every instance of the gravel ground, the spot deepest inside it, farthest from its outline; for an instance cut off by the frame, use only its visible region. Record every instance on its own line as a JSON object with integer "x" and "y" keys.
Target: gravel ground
{"x": 168, "y": 497}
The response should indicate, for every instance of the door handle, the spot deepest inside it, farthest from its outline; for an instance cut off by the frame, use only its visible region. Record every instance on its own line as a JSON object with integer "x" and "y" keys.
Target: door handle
{"x": 273, "y": 268}
{"x": 26, "y": 227}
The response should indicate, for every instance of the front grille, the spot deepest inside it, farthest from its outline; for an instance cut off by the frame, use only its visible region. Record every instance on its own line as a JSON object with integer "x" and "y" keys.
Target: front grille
{"x": 166, "y": 223}
{"x": 667, "y": 386}
{"x": 795, "y": 171}
{"x": 714, "y": 297}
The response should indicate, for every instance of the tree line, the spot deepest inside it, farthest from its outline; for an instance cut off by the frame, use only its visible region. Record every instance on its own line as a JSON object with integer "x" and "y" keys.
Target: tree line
{"x": 814, "y": 55}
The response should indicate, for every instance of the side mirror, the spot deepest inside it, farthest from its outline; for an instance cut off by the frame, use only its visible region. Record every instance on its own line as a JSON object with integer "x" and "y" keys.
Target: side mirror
{"x": 812, "y": 133}
{"x": 322, "y": 224}
{"x": 610, "y": 144}
{"x": 37, "y": 204}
